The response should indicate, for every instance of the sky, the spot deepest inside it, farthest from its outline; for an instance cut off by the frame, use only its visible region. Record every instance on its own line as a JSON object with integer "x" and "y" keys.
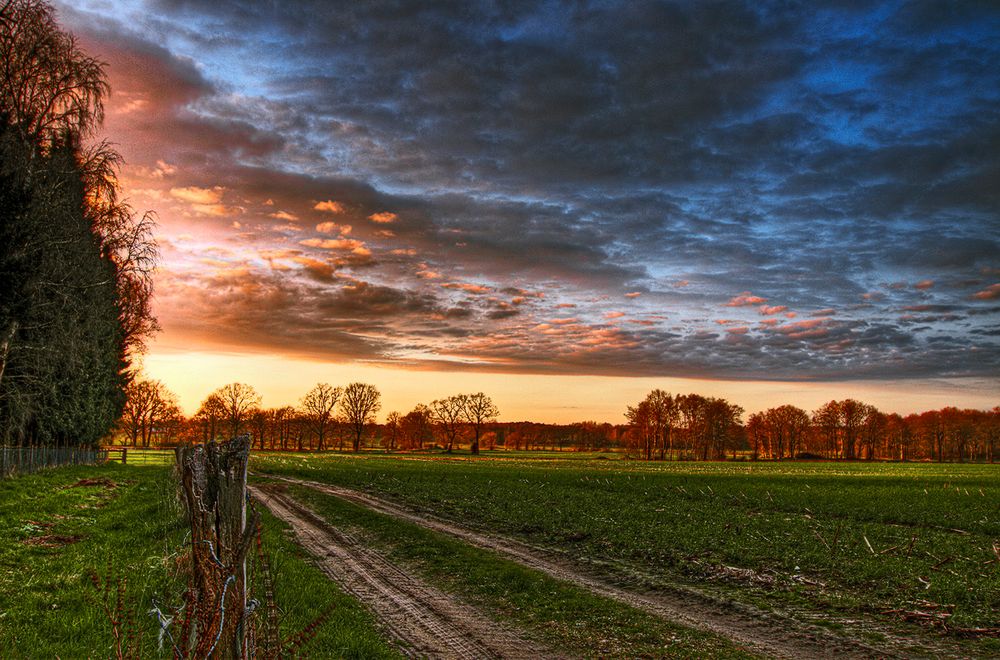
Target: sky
{"x": 566, "y": 204}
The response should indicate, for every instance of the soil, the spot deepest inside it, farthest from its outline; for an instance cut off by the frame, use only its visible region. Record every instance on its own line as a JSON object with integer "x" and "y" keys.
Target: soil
{"x": 425, "y": 621}
{"x": 770, "y": 633}
{"x": 104, "y": 482}
{"x": 53, "y": 540}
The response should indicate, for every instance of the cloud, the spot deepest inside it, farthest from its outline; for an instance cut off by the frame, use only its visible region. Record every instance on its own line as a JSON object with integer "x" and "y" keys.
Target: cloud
{"x": 284, "y": 215}
{"x": 991, "y": 292}
{"x": 333, "y": 228}
{"x": 196, "y": 195}
{"x": 329, "y": 206}
{"x": 745, "y": 299}
{"x": 355, "y": 246}
{"x": 811, "y": 156}
{"x": 476, "y": 289}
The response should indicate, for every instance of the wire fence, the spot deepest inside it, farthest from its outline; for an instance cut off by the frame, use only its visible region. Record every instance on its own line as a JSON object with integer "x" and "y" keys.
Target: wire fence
{"x": 25, "y": 460}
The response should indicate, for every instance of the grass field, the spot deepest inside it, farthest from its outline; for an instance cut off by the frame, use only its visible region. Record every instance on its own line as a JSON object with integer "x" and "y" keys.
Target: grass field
{"x": 828, "y": 542}
{"x": 831, "y": 539}
{"x": 562, "y": 615}
{"x": 53, "y": 533}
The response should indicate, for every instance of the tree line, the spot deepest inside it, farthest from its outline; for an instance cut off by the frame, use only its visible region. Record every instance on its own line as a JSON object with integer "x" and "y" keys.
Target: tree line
{"x": 660, "y": 427}
{"x": 75, "y": 260}
{"x": 327, "y": 417}
{"x": 664, "y": 426}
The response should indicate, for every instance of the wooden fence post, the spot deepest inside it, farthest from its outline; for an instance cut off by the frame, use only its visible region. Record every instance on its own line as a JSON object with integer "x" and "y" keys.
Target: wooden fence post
{"x": 214, "y": 490}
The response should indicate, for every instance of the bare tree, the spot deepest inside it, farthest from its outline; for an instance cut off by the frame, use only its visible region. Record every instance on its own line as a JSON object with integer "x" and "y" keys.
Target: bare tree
{"x": 237, "y": 400}
{"x": 479, "y": 410}
{"x": 393, "y": 428}
{"x": 449, "y": 415}
{"x": 318, "y": 405}
{"x": 49, "y": 86}
{"x": 147, "y": 403}
{"x": 417, "y": 427}
{"x": 210, "y": 414}
{"x": 360, "y": 403}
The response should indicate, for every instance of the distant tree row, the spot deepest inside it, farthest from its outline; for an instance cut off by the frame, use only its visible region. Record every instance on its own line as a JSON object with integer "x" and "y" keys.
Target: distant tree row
{"x": 660, "y": 427}
{"x": 325, "y": 416}
{"x": 75, "y": 261}
{"x": 850, "y": 429}
{"x": 690, "y": 426}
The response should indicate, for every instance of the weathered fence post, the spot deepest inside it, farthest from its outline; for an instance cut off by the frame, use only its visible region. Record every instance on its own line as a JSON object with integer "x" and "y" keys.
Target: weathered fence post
{"x": 214, "y": 490}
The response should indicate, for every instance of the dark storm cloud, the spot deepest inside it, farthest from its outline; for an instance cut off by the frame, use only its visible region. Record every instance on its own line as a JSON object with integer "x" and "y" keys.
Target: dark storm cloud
{"x": 810, "y": 156}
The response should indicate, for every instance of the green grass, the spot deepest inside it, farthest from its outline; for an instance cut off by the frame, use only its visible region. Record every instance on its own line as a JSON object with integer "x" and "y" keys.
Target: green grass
{"x": 931, "y": 528}
{"x": 47, "y": 606}
{"x": 564, "y": 616}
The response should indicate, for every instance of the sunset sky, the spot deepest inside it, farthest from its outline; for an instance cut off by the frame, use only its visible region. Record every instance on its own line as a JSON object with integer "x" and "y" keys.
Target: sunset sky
{"x": 566, "y": 204}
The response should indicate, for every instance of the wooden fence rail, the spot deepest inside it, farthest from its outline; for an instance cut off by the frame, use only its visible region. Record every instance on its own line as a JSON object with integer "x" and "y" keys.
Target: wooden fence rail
{"x": 25, "y": 460}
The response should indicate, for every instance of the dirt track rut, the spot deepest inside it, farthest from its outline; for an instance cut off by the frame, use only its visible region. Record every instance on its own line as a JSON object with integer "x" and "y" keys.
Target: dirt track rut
{"x": 762, "y": 632}
{"x": 426, "y": 621}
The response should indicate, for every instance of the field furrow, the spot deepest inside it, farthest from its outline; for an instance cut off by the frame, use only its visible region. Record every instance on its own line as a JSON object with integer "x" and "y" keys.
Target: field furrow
{"x": 426, "y": 621}
{"x": 764, "y": 632}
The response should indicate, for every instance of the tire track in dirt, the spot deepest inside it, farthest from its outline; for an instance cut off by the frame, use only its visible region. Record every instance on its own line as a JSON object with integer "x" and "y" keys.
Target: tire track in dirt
{"x": 763, "y": 632}
{"x": 426, "y": 621}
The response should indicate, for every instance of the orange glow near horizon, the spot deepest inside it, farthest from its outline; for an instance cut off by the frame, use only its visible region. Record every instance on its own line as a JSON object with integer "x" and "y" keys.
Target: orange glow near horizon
{"x": 192, "y": 374}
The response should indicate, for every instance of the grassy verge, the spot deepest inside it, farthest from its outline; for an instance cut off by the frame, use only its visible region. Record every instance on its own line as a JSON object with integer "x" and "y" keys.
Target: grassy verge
{"x": 55, "y": 531}
{"x": 559, "y": 614}
{"x": 829, "y": 540}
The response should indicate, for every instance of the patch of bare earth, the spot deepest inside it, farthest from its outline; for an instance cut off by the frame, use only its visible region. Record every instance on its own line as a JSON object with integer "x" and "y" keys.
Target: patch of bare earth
{"x": 53, "y": 540}
{"x": 426, "y": 621}
{"x": 769, "y": 633}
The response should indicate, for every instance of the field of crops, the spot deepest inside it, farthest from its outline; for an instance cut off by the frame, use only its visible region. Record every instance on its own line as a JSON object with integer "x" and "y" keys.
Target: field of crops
{"x": 834, "y": 539}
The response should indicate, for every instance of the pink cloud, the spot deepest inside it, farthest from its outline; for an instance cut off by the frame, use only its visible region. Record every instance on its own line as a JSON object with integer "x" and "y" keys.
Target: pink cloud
{"x": 633, "y": 294}
{"x": 923, "y": 285}
{"x": 991, "y": 292}
{"x": 745, "y": 299}
{"x": 477, "y": 289}
{"x": 613, "y": 315}
{"x": 196, "y": 195}
{"x": 769, "y": 310}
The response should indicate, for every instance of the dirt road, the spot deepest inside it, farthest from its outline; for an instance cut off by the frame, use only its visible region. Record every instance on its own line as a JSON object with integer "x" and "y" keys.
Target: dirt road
{"x": 426, "y": 621}
{"x": 763, "y": 632}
